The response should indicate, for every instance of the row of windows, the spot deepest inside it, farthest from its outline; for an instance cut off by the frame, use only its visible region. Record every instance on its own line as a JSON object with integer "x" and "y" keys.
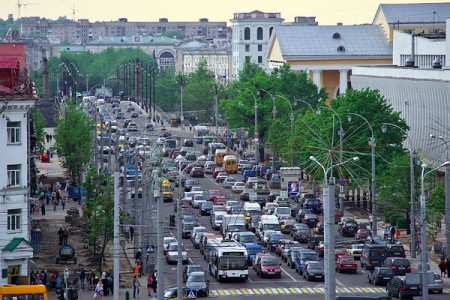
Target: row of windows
{"x": 248, "y": 59}
{"x": 259, "y": 33}
{"x": 247, "y": 48}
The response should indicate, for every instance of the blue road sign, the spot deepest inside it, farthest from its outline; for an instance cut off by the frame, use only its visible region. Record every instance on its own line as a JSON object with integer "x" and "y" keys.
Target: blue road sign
{"x": 293, "y": 188}
{"x": 191, "y": 294}
{"x": 150, "y": 248}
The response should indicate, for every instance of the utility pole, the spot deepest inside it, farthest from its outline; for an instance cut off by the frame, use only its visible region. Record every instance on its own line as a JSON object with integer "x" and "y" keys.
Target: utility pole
{"x": 180, "y": 241}
{"x": 116, "y": 233}
{"x": 181, "y": 101}
{"x": 216, "y": 109}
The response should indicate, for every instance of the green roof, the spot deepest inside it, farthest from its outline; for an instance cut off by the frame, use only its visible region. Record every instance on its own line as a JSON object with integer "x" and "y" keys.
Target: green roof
{"x": 14, "y": 243}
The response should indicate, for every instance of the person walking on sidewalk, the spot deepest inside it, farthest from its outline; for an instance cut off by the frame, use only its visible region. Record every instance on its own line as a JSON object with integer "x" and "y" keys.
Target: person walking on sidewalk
{"x": 149, "y": 284}
{"x": 442, "y": 267}
{"x": 43, "y": 206}
{"x": 392, "y": 231}
{"x": 447, "y": 266}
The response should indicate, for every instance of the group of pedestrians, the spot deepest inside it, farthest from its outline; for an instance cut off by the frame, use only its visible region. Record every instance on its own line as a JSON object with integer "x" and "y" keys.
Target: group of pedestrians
{"x": 46, "y": 196}
{"x": 444, "y": 267}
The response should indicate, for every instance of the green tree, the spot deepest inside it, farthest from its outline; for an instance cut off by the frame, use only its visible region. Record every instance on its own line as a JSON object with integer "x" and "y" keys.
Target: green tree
{"x": 167, "y": 91}
{"x": 39, "y": 124}
{"x": 74, "y": 141}
{"x": 99, "y": 212}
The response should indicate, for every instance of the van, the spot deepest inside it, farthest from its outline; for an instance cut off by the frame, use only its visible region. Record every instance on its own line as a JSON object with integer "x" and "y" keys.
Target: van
{"x": 219, "y": 156}
{"x": 247, "y": 174}
{"x": 373, "y": 255}
{"x": 248, "y": 206}
{"x": 230, "y": 164}
{"x": 37, "y": 291}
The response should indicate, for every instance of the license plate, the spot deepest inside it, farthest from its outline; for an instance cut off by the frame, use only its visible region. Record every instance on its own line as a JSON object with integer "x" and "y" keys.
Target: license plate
{"x": 349, "y": 265}
{"x": 271, "y": 273}
{"x": 401, "y": 268}
{"x": 386, "y": 277}
{"x": 374, "y": 261}
{"x": 413, "y": 288}
{"x": 318, "y": 276}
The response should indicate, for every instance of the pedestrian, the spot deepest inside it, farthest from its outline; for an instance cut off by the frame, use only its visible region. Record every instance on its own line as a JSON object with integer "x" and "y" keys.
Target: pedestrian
{"x": 149, "y": 284}
{"x": 155, "y": 281}
{"x": 63, "y": 203}
{"x": 32, "y": 205}
{"x": 47, "y": 137}
{"x": 58, "y": 283}
{"x": 397, "y": 234}
{"x": 131, "y": 233}
{"x": 386, "y": 233}
{"x": 67, "y": 184}
{"x": 392, "y": 231}
{"x": 442, "y": 267}
{"x": 371, "y": 221}
{"x": 447, "y": 266}
{"x": 43, "y": 207}
{"x": 65, "y": 236}
{"x": 61, "y": 236}
{"x": 82, "y": 278}
{"x": 135, "y": 287}
{"x": 98, "y": 290}
{"x": 55, "y": 204}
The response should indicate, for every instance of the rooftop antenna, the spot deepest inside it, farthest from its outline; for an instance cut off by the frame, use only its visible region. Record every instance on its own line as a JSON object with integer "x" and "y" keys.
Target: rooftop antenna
{"x": 73, "y": 12}
{"x": 19, "y": 5}
{"x": 434, "y": 21}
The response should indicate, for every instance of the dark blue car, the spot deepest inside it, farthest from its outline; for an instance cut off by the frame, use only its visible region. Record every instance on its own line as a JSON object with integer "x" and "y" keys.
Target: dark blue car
{"x": 205, "y": 209}
{"x": 252, "y": 249}
{"x": 302, "y": 257}
{"x": 314, "y": 205}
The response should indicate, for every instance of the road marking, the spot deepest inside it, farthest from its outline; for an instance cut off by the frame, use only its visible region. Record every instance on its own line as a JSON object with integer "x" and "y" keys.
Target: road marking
{"x": 340, "y": 283}
{"x": 221, "y": 292}
{"x": 214, "y": 293}
{"x": 359, "y": 290}
{"x": 289, "y": 275}
{"x": 263, "y": 291}
{"x": 248, "y": 278}
{"x": 379, "y": 290}
{"x": 278, "y": 290}
{"x": 250, "y": 291}
{"x": 371, "y": 290}
{"x": 192, "y": 262}
{"x": 233, "y": 292}
{"x": 256, "y": 291}
{"x": 227, "y": 292}
{"x": 299, "y": 291}
{"x": 286, "y": 291}
{"x": 305, "y": 290}
{"x": 268, "y": 290}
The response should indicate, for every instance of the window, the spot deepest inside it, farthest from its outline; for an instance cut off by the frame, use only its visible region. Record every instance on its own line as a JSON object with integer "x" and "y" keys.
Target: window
{"x": 341, "y": 49}
{"x": 247, "y": 48}
{"x": 260, "y": 60}
{"x": 13, "y": 129}
{"x": 13, "y": 175}
{"x": 247, "y": 33}
{"x": 260, "y": 48}
{"x": 248, "y": 59}
{"x": 336, "y": 36}
{"x": 259, "y": 33}
{"x": 13, "y": 222}
{"x": 270, "y": 31}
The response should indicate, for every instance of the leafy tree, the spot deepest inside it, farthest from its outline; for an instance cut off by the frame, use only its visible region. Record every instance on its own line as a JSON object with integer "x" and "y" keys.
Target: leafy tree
{"x": 39, "y": 124}
{"x": 99, "y": 212}
{"x": 166, "y": 89}
{"x": 74, "y": 141}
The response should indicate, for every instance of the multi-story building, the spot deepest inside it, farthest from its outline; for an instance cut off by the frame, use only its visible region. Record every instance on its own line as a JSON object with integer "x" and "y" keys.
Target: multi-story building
{"x": 251, "y": 34}
{"x": 217, "y": 56}
{"x": 16, "y": 100}
{"x": 83, "y": 31}
{"x": 412, "y": 18}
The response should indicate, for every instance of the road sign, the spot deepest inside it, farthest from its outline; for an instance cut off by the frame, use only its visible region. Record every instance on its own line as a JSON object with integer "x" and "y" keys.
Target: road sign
{"x": 341, "y": 189}
{"x": 150, "y": 248}
{"x": 341, "y": 181}
{"x": 191, "y": 294}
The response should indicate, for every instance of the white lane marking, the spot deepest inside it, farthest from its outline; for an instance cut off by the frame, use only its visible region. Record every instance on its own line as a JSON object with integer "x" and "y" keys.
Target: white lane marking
{"x": 192, "y": 262}
{"x": 286, "y": 291}
{"x": 250, "y": 291}
{"x": 340, "y": 283}
{"x": 290, "y": 276}
{"x": 371, "y": 290}
{"x": 274, "y": 290}
{"x": 347, "y": 290}
{"x": 311, "y": 291}
{"x": 248, "y": 278}
{"x": 237, "y": 291}
{"x": 227, "y": 292}
{"x": 299, "y": 291}
{"x": 215, "y": 293}
{"x": 359, "y": 290}
{"x": 263, "y": 291}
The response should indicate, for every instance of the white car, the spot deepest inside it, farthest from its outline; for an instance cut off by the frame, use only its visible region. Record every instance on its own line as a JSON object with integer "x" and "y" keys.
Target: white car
{"x": 195, "y": 232}
{"x": 354, "y": 250}
{"x": 167, "y": 241}
{"x": 238, "y": 187}
{"x": 228, "y": 182}
{"x": 198, "y": 200}
{"x": 172, "y": 253}
{"x": 221, "y": 177}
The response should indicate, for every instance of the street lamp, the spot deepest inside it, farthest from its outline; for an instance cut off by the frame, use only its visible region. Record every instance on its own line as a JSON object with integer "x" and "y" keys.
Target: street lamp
{"x": 329, "y": 239}
{"x": 256, "y": 135}
{"x": 341, "y": 137}
{"x": 372, "y": 148}
{"x": 181, "y": 100}
{"x": 447, "y": 195}
{"x": 423, "y": 229}
{"x": 291, "y": 118}
{"x": 274, "y": 116}
{"x": 412, "y": 213}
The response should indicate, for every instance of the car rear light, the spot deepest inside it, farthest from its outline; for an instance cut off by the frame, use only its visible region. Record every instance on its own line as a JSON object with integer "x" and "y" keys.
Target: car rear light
{"x": 408, "y": 269}
{"x": 404, "y": 288}
{"x": 393, "y": 268}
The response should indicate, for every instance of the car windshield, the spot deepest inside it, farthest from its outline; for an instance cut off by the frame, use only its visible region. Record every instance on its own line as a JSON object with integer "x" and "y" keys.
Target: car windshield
{"x": 271, "y": 227}
{"x": 197, "y": 230}
{"x": 214, "y": 192}
{"x": 188, "y": 226}
{"x": 195, "y": 269}
{"x": 233, "y": 263}
{"x": 248, "y": 238}
{"x": 253, "y": 213}
{"x": 207, "y": 205}
{"x": 236, "y": 228}
{"x": 196, "y": 278}
{"x": 269, "y": 262}
{"x": 309, "y": 256}
{"x": 253, "y": 251}
{"x": 386, "y": 272}
{"x": 219, "y": 217}
{"x": 310, "y": 216}
{"x": 347, "y": 259}
{"x": 315, "y": 265}
{"x": 174, "y": 247}
{"x": 283, "y": 210}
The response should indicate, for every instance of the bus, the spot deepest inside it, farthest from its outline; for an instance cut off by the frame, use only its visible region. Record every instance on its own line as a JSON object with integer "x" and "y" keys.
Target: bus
{"x": 212, "y": 149}
{"x": 25, "y": 292}
{"x": 200, "y": 132}
{"x": 230, "y": 164}
{"x": 228, "y": 260}
{"x": 170, "y": 143}
{"x": 219, "y": 155}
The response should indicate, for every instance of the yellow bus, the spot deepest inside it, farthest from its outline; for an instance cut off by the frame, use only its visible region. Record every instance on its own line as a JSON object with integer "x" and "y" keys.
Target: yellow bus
{"x": 167, "y": 190}
{"x": 218, "y": 157}
{"x": 230, "y": 163}
{"x": 23, "y": 292}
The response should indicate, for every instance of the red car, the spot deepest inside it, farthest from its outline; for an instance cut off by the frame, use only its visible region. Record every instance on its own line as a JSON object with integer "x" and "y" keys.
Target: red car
{"x": 213, "y": 194}
{"x": 217, "y": 170}
{"x": 337, "y": 216}
{"x": 220, "y": 200}
{"x": 346, "y": 263}
{"x": 363, "y": 234}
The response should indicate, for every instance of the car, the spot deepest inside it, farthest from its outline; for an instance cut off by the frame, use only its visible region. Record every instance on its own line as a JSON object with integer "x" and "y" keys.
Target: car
{"x": 300, "y": 233}
{"x": 302, "y": 257}
{"x": 189, "y": 269}
{"x": 120, "y": 115}
{"x": 220, "y": 200}
{"x": 354, "y": 250}
{"x": 213, "y": 194}
{"x": 269, "y": 208}
{"x": 198, "y": 200}
{"x": 295, "y": 207}
{"x": 380, "y": 275}
{"x": 301, "y": 214}
{"x": 313, "y": 270}
{"x": 396, "y": 250}
{"x": 196, "y": 235}
{"x": 345, "y": 263}
{"x": 314, "y": 205}
{"x": 283, "y": 247}
{"x": 404, "y": 286}
{"x": 275, "y": 181}
{"x": 362, "y": 234}
{"x": 286, "y": 225}
{"x": 205, "y": 208}
{"x": 291, "y": 255}
{"x": 189, "y": 184}
{"x": 348, "y": 229}
{"x": 197, "y": 172}
{"x": 229, "y": 204}
{"x": 188, "y": 143}
{"x": 166, "y": 241}
{"x": 171, "y": 293}
{"x": 319, "y": 228}
{"x": 186, "y": 229}
{"x": 267, "y": 266}
{"x": 217, "y": 170}
{"x": 273, "y": 195}
{"x": 221, "y": 176}
{"x": 134, "y": 114}
{"x": 228, "y": 182}
{"x": 245, "y": 195}
{"x": 238, "y": 187}
{"x": 435, "y": 283}
{"x": 172, "y": 253}
{"x": 310, "y": 220}
{"x": 337, "y": 216}
{"x": 198, "y": 281}
{"x": 185, "y": 204}
{"x": 345, "y": 219}
{"x": 399, "y": 265}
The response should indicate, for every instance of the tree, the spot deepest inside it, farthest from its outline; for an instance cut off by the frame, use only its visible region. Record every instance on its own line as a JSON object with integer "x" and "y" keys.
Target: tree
{"x": 74, "y": 140}
{"x": 99, "y": 212}
{"x": 166, "y": 89}
{"x": 39, "y": 124}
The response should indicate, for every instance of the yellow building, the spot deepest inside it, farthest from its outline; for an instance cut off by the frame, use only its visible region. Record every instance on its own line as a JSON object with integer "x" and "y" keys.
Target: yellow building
{"x": 416, "y": 18}
{"x": 328, "y": 53}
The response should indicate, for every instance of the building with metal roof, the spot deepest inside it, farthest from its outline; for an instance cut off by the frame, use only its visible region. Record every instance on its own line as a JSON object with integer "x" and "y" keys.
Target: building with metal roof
{"x": 412, "y": 17}
{"x": 328, "y": 53}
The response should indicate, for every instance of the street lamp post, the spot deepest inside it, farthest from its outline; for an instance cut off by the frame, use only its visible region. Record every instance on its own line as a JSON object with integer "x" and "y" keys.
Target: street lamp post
{"x": 329, "y": 239}
{"x": 447, "y": 196}
{"x": 256, "y": 135}
{"x": 423, "y": 229}
{"x": 181, "y": 101}
{"x": 274, "y": 116}
{"x": 372, "y": 148}
{"x": 291, "y": 119}
{"x": 412, "y": 214}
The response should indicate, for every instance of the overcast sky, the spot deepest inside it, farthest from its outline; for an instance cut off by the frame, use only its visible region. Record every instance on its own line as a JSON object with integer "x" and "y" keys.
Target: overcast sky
{"x": 328, "y": 12}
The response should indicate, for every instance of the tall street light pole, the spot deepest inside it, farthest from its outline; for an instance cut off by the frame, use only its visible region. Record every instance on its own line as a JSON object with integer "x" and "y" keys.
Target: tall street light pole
{"x": 447, "y": 196}
{"x": 216, "y": 109}
{"x": 181, "y": 101}
{"x": 329, "y": 239}
{"x": 423, "y": 229}
{"x": 274, "y": 116}
{"x": 256, "y": 134}
{"x": 372, "y": 148}
{"x": 291, "y": 119}
{"x": 412, "y": 213}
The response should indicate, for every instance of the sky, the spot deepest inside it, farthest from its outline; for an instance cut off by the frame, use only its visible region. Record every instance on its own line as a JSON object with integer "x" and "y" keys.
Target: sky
{"x": 327, "y": 12}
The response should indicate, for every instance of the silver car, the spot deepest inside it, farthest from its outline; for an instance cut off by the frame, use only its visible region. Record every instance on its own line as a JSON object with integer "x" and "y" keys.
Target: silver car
{"x": 435, "y": 284}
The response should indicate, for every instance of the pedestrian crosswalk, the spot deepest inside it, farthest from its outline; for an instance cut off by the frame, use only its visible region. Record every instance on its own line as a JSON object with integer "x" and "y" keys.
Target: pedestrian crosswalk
{"x": 297, "y": 291}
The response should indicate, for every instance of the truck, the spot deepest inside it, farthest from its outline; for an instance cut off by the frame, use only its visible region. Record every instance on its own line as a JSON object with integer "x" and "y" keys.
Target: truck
{"x": 267, "y": 222}
{"x": 290, "y": 177}
{"x": 232, "y": 223}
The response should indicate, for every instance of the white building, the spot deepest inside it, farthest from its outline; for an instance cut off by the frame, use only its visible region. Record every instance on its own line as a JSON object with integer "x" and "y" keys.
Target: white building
{"x": 251, "y": 34}
{"x": 14, "y": 209}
